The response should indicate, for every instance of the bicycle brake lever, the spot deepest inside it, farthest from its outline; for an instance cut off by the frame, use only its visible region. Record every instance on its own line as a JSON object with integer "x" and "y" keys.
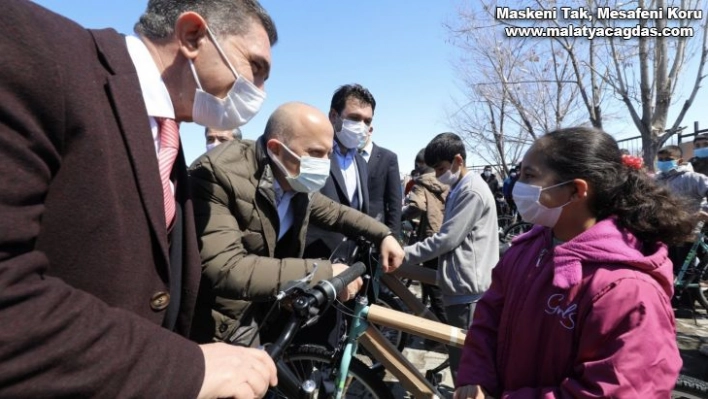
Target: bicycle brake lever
{"x": 299, "y": 284}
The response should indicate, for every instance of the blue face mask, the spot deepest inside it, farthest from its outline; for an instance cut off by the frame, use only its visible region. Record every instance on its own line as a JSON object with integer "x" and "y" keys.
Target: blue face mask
{"x": 701, "y": 152}
{"x": 666, "y": 166}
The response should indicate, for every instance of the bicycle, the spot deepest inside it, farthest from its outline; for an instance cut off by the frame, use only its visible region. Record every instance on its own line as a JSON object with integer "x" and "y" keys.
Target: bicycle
{"x": 352, "y": 251}
{"x": 296, "y": 379}
{"x": 692, "y": 278}
{"x": 367, "y": 318}
{"x": 514, "y": 230}
{"x": 339, "y": 374}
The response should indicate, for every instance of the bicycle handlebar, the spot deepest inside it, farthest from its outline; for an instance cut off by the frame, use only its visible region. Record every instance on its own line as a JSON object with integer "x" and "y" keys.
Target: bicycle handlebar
{"x": 346, "y": 277}
{"x": 319, "y": 297}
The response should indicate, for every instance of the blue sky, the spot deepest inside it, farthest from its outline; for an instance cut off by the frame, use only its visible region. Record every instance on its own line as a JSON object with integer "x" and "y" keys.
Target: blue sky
{"x": 396, "y": 48}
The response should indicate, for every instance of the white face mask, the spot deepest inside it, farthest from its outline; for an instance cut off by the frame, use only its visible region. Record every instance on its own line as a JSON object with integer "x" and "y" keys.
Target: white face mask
{"x": 527, "y": 200}
{"x": 212, "y": 145}
{"x": 353, "y": 134}
{"x": 241, "y": 103}
{"x": 449, "y": 178}
{"x": 313, "y": 172}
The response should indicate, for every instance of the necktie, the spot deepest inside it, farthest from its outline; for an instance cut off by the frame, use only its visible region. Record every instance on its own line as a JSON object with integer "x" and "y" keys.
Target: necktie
{"x": 169, "y": 145}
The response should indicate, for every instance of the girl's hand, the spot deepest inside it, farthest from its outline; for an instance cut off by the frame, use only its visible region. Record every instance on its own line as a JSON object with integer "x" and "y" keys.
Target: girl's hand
{"x": 469, "y": 392}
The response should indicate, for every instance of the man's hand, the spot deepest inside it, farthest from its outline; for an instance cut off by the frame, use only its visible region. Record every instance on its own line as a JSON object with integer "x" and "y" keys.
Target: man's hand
{"x": 236, "y": 372}
{"x": 391, "y": 254}
{"x": 349, "y": 292}
{"x": 469, "y": 392}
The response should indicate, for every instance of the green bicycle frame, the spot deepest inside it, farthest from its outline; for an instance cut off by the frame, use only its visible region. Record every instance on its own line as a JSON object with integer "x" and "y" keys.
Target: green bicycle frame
{"x": 687, "y": 264}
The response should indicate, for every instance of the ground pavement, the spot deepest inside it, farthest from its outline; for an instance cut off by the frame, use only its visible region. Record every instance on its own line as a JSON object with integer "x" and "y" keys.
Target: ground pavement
{"x": 690, "y": 335}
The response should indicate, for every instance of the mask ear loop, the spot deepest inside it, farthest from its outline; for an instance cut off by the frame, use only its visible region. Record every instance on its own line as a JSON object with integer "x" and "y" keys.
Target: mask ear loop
{"x": 222, "y": 53}
{"x": 194, "y": 73}
{"x": 553, "y": 186}
{"x": 279, "y": 163}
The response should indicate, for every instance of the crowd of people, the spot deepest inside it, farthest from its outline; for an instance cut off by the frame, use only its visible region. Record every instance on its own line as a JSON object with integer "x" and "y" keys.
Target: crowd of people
{"x": 123, "y": 272}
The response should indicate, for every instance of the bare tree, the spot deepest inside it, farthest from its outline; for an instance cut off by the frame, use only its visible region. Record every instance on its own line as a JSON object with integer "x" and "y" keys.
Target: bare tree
{"x": 660, "y": 62}
{"x": 515, "y": 90}
{"x": 642, "y": 71}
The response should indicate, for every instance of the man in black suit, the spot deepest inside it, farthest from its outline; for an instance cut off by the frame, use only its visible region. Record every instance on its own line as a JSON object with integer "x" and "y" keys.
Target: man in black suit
{"x": 351, "y": 112}
{"x": 385, "y": 196}
{"x": 99, "y": 264}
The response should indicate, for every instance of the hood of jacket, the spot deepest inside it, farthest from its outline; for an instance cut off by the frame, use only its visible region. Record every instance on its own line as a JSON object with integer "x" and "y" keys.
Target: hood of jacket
{"x": 431, "y": 183}
{"x": 606, "y": 243}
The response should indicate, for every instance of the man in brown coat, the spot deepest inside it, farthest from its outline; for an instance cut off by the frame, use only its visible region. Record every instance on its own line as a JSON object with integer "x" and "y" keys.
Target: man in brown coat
{"x": 253, "y": 204}
{"x": 99, "y": 265}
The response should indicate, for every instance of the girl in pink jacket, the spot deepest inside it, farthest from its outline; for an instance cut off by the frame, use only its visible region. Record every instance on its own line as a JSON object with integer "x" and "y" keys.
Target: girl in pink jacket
{"x": 579, "y": 307}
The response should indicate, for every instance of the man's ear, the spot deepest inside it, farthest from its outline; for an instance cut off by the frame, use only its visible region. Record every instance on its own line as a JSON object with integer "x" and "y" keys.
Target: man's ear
{"x": 191, "y": 32}
{"x": 274, "y": 146}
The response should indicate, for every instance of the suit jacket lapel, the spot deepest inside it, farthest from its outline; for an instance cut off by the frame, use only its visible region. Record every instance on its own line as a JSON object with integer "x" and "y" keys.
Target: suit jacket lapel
{"x": 374, "y": 159}
{"x": 336, "y": 174}
{"x": 126, "y": 98}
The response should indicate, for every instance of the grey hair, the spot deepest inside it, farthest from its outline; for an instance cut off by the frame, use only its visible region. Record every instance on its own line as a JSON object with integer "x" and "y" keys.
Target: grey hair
{"x": 235, "y": 132}
{"x": 225, "y": 17}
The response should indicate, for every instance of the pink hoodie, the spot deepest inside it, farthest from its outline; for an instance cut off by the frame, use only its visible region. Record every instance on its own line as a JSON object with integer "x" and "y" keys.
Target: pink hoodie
{"x": 589, "y": 318}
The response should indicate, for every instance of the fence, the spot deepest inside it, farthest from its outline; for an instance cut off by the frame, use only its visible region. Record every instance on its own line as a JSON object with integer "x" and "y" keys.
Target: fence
{"x": 634, "y": 144}
{"x": 631, "y": 144}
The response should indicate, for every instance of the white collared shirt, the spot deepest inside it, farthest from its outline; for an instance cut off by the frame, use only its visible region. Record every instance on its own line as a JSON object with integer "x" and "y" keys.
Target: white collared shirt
{"x": 366, "y": 151}
{"x": 285, "y": 211}
{"x": 347, "y": 163}
{"x": 157, "y": 98}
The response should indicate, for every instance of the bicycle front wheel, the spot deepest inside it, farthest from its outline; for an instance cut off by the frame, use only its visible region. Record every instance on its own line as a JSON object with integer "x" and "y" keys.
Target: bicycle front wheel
{"x": 701, "y": 292}
{"x": 515, "y": 230}
{"x": 318, "y": 364}
{"x": 689, "y": 388}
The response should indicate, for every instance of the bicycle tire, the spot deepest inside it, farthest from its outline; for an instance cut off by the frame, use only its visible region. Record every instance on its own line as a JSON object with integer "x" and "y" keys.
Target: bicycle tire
{"x": 515, "y": 230}
{"x": 505, "y": 221}
{"x": 689, "y": 388}
{"x": 308, "y": 359}
{"x": 701, "y": 292}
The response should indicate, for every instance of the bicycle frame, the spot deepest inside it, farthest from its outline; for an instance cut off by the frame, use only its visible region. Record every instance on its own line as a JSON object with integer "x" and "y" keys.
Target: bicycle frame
{"x": 384, "y": 352}
{"x": 412, "y": 302}
{"x": 680, "y": 284}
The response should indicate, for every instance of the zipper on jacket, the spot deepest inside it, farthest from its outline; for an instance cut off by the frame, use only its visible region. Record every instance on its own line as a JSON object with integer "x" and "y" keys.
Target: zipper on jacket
{"x": 544, "y": 251}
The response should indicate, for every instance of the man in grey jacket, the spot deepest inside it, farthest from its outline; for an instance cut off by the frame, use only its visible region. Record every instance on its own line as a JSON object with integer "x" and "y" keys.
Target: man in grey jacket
{"x": 467, "y": 245}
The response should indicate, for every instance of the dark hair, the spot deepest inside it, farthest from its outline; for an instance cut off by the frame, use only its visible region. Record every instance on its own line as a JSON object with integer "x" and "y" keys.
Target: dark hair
{"x": 343, "y": 93}
{"x": 225, "y": 17}
{"x": 420, "y": 158}
{"x": 672, "y": 151}
{"x": 642, "y": 206}
{"x": 444, "y": 147}
{"x": 700, "y": 136}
